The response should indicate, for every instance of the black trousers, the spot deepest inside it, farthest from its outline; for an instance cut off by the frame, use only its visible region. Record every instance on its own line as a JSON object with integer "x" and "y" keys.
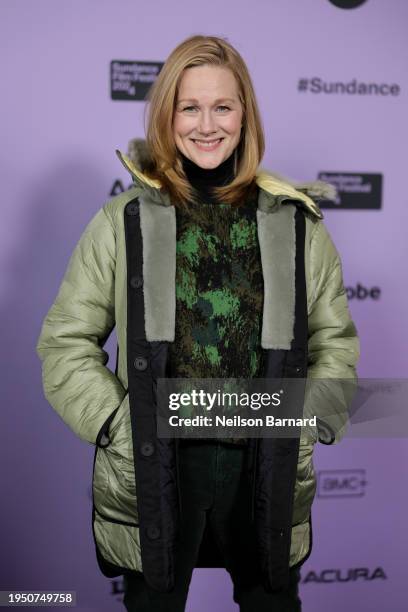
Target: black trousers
{"x": 215, "y": 489}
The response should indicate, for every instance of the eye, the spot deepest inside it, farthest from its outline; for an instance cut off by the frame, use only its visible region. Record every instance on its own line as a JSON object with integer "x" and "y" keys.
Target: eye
{"x": 187, "y": 108}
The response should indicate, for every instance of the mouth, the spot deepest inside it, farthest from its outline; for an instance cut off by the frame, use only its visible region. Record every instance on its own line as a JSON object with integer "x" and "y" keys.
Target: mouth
{"x": 207, "y": 145}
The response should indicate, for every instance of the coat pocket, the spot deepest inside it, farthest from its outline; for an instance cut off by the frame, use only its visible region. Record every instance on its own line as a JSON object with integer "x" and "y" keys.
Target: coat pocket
{"x": 114, "y": 486}
{"x": 118, "y": 418}
{"x": 305, "y": 486}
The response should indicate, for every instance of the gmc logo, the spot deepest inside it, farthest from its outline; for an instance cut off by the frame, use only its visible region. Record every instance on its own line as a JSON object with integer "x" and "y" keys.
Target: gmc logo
{"x": 341, "y": 483}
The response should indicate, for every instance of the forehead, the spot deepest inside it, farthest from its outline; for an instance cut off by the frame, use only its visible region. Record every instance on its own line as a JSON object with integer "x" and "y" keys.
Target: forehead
{"x": 208, "y": 83}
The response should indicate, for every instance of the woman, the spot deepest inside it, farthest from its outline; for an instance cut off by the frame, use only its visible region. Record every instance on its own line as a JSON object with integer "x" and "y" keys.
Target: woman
{"x": 209, "y": 268}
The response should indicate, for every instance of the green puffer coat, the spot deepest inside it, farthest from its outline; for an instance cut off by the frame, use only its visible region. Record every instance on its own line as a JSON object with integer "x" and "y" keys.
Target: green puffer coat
{"x": 93, "y": 298}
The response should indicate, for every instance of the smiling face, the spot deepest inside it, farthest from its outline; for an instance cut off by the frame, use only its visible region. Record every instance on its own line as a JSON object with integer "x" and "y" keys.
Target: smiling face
{"x": 207, "y": 110}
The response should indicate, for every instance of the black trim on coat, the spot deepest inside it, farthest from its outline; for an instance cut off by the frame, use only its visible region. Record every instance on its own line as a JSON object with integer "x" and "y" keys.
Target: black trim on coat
{"x": 154, "y": 458}
{"x": 324, "y": 428}
{"x": 277, "y": 458}
{"x": 102, "y": 439}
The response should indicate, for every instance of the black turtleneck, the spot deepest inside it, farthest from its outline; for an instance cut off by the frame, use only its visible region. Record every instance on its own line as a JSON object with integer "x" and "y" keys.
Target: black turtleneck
{"x": 205, "y": 179}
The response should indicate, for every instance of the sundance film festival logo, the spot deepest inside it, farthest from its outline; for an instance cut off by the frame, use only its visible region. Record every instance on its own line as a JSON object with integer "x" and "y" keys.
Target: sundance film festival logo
{"x": 355, "y": 190}
{"x": 354, "y": 87}
{"x": 341, "y": 483}
{"x": 352, "y": 574}
{"x": 131, "y": 80}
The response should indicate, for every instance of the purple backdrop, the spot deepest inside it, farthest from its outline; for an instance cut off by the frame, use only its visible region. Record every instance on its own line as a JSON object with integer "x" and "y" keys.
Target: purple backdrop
{"x": 60, "y": 129}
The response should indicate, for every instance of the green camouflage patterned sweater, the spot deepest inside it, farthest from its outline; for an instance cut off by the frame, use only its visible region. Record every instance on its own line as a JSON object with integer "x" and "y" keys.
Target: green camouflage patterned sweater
{"x": 219, "y": 286}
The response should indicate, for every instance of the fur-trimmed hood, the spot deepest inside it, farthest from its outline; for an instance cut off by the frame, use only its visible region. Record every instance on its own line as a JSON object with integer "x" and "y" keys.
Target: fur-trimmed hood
{"x": 271, "y": 183}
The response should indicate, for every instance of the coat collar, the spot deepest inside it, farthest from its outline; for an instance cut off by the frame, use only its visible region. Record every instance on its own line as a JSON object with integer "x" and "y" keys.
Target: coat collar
{"x": 274, "y": 189}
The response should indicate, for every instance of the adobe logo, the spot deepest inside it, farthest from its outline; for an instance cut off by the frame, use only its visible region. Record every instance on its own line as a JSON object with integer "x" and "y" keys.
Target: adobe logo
{"x": 359, "y": 292}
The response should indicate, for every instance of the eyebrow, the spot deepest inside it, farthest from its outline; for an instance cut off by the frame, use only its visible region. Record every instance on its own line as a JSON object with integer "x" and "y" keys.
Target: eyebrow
{"x": 196, "y": 101}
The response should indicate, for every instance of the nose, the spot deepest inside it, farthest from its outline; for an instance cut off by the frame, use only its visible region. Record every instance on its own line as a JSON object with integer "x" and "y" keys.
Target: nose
{"x": 207, "y": 124}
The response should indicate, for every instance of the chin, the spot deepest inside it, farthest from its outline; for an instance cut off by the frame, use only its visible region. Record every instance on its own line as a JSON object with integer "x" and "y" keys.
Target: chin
{"x": 208, "y": 160}
{"x": 209, "y": 163}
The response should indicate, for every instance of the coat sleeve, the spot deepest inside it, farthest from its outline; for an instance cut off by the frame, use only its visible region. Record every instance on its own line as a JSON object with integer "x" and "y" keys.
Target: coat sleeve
{"x": 333, "y": 344}
{"x": 76, "y": 382}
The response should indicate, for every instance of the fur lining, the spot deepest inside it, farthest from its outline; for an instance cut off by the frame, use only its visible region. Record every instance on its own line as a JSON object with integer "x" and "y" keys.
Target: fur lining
{"x": 276, "y": 235}
{"x": 158, "y": 226}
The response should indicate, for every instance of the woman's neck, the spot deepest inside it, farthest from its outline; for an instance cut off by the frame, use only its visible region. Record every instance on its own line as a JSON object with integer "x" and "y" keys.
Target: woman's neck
{"x": 205, "y": 179}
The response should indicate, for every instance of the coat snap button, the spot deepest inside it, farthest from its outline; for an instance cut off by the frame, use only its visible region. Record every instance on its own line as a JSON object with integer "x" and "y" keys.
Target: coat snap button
{"x": 140, "y": 363}
{"x": 136, "y": 282}
{"x": 153, "y": 532}
{"x": 132, "y": 208}
{"x": 147, "y": 449}
{"x": 298, "y": 369}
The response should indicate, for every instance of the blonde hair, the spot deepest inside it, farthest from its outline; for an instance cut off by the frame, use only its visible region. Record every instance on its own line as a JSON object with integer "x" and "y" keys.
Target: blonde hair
{"x": 165, "y": 159}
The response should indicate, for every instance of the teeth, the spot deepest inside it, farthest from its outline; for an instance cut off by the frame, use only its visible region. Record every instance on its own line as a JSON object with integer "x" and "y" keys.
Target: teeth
{"x": 207, "y": 143}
